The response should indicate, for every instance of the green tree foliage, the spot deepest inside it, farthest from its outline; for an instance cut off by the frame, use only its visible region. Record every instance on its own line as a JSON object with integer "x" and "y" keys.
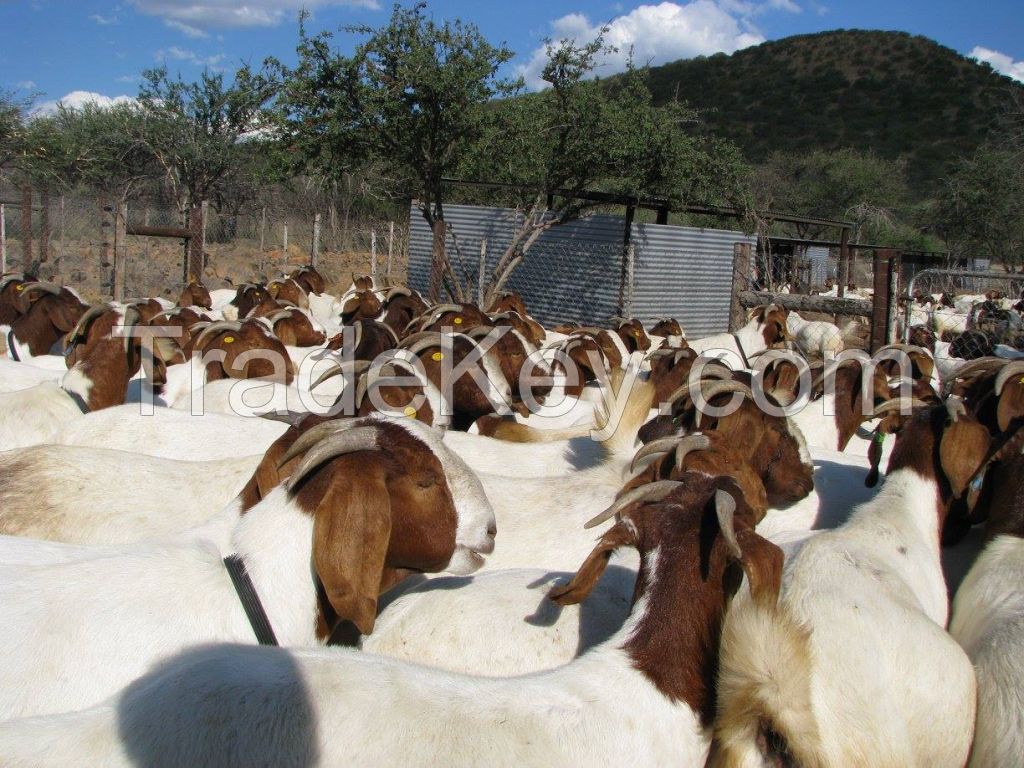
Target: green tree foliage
{"x": 981, "y": 211}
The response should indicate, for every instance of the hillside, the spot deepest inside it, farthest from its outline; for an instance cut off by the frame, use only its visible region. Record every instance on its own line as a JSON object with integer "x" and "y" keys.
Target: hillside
{"x": 890, "y": 92}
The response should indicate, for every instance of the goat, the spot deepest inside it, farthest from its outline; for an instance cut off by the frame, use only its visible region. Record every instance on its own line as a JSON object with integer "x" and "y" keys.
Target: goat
{"x": 654, "y": 675}
{"x": 195, "y": 294}
{"x": 100, "y": 496}
{"x": 814, "y": 337}
{"x": 51, "y": 311}
{"x": 368, "y": 502}
{"x": 911, "y": 692}
{"x": 766, "y": 326}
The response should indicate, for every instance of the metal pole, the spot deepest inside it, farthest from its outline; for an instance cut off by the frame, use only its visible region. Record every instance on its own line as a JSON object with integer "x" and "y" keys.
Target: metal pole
{"x": 481, "y": 274}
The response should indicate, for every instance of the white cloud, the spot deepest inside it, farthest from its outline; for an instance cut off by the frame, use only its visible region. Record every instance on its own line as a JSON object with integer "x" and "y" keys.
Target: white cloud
{"x": 186, "y": 54}
{"x": 198, "y": 16}
{"x": 78, "y": 99}
{"x": 1000, "y": 62}
{"x": 128, "y": 79}
{"x": 103, "y": 21}
{"x": 186, "y": 29}
{"x": 660, "y": 33}
{"x": 27, "y": 85}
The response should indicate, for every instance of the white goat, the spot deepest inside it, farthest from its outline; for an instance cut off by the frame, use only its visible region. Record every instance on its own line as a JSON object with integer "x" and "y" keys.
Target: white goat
{"x": 853, "y": 667}
{"x": 232, "y": 704}
{"x": 116, "y": 614}
{"x": 814, "y": 337}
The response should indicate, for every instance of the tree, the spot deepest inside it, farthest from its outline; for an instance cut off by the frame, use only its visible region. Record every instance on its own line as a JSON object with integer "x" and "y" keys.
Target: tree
{"x": 981, "y": 210}
{"x": 580, "y": 135}
{"x": 12, "y": 129}
{"x": 195, "y": 131}
{"x": 411, "y": 98}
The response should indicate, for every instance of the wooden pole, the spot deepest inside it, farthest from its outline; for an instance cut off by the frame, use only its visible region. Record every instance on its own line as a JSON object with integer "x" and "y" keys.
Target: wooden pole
{"x": 437, "y": 258}
{"x": 314, "y": 252}
{"x": 373, "y": 253}
{"x": 894, "y": 292}
{"x": 26, "y": 227}
{"x": 284, "y": 241}
{"x": 120, "y": 248}
{"x": 44, "y": 226}
{"x": 391, "y": 244}
{"x": 3, "y": 238}
{"x": 740, "y": 282}
{"x": 263, "y": 227}
{"x": 194, "y": 266}
{"x": 481, "y": 273}
{"x": 627, "y": 236}
{"x": 844, "y": 262}
{"x": 880, "y": 303}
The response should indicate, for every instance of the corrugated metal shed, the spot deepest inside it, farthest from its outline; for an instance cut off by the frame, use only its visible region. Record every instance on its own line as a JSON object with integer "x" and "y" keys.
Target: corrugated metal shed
{"x": 575, "y": 272}
{"x": 685, "y": 273}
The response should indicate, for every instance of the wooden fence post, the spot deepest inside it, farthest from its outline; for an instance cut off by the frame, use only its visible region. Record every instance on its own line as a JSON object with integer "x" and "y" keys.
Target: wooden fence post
{"x": 391, "y": 243}
{"x": 437, "y": 259}
{"x": 44, "y": 226}
{"x": 314, "y": 252}
{"x": 105, "y": 223}
{"x": 740, "y": 282}
{"x": 844, "y": 263}
{"x": 284, "y": 241}
{"x": 120, "y": 248}
{"x": 894, "y": 292}
{"x": 26, "y": 227}
{"x": 195, "y": 263}
{"x": 481, "y": 273}
{"x": 263, "y": 226}
{"x": 3, "y": 238}
{"x": 373, "y": 253}
{"x": 882, "y": 267}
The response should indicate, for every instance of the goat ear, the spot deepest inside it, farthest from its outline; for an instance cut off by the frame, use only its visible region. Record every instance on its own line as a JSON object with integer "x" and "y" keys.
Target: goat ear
{"x": 351, "y": 532}
{"x": 1011, "y": 402}
{"x": 965, "y": 443}
{"x": 762, "y": 562}
{"x": 924, "y": 364}
{"x": 589, "y": 573}
{"x": 285, "y": 331}
{"x": 351, "y": 305}
{"x": 63, "y": 316}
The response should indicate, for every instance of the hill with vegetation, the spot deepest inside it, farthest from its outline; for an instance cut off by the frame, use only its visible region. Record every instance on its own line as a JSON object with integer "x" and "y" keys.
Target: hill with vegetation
{"x": 892, "y": 93}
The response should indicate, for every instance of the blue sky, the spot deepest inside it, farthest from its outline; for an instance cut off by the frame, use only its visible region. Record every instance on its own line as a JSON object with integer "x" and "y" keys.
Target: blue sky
{"x": 86, "y": 49}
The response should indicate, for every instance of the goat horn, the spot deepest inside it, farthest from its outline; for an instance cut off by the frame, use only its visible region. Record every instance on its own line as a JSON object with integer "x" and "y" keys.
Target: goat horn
{"x": 719, "y": 388}
{"x": 440, "y": 309}
{"x": 385, "y": 371}
{"x": 389, "y": 330}
{"x": 981, "y": 365}
{"x": 46, "y": 287}
{"x": 654, "y": 448}
{"x": 130, "y": 320}
{"x": 650, "y": 492}
{"x": 339, "y": 369}
{"x": 832, "y": 368}
{"x": 332, "y": 446}
{"x": 695, "y": 442}
{"x": 896, "y": 404}
{"x": 217, "y": 327}
{"x": 398, "y": 290}
{"x": 725, "y": 510}
{"x": 1010, "y": 369}
{"x": 421, "y": 341}
{"x": 82, "y": 326}
{"x": 901, "y": 348}
{"x": 313, "y": 435}
{"x": 279, "y": 315}
{"x": 11, "y": 278}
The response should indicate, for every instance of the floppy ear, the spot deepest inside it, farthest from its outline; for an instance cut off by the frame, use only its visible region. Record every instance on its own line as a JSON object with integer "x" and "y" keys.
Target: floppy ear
{"x": 1011, "y": 402}
{"x": 63, "y": 316}
{"x": 589, "y": 573}
{"x": 351, "y": 305}
{"x": 762, "y": 562}
{"x": 351, "y": 532}
{"x": 284, "y": 329}
{"x": 965, "y": 443}
{"x": 924, "y": 364}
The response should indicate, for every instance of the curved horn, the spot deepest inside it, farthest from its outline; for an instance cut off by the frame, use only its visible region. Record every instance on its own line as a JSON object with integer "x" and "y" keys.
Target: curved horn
{"x": 11, "y": 278}
{"x": 1010, "y": 369}
{"x": 315, "y": 434}
{"x": 398, "y": 290}
{"x": 212, "y": 328}
{"x": 421, "y": 341}
{"x": 720, "y": 388}
{"x": 332, "y": 446}
{"x": 82, "y": 326}
{"x": 385, "y": 371}
{"x": 650, "y": 492}
{"x": 354, "y": 366}
{"x": 695, "y": 442}
{"x": 388, "y": 330}
{"x": 896, "y": 404}
{"x": 46, "y": 287}
{"x": 725, "y": 510}
{"x": 130, "y": 320}
{"x": 654, "y": 448}
{"x": 900, "y": 348}
{"x": 981, "y": 365}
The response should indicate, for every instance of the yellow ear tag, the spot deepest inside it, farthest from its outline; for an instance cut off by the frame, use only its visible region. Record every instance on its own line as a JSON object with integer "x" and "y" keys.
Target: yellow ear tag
{"x": 1022, "y": 379}
{"x": 457, "y": 321}
{"x": 229, "y": 339}
{"x": 437, "y": 356}
{"x": 409, "y": 411}
{"x": 19, "y": 287}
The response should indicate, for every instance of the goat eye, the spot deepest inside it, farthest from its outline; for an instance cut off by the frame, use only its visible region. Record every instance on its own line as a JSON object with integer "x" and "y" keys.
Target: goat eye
{"x": 426, "y": 481}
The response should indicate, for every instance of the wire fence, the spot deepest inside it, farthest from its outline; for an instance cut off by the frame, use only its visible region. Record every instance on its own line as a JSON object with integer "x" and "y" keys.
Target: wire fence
{"x": 72, "y": 238}
{"x": 974, "y": 312}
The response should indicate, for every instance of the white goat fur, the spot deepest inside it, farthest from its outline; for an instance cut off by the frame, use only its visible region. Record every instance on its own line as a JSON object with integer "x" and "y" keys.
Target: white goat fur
{"x": 988, "y": 621}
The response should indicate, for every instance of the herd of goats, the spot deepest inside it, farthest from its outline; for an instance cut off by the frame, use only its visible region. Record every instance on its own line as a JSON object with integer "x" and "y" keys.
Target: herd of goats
{"x": 272, "y": 525}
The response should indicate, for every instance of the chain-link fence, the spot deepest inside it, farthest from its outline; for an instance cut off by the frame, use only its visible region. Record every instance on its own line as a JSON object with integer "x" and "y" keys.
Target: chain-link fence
{"x": 974, "y": 312}
{"x": 73, "y": 238}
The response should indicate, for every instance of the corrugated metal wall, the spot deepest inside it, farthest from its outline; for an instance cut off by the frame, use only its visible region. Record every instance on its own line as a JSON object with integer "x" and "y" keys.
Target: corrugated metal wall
{"x": 574, "y": 272}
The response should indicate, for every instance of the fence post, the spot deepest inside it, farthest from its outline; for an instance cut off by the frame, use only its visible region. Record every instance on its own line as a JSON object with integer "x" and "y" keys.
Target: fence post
{"x": 740, "y": 282}
{"x": 284, "y": 241}
{"x": 105, "y": 230}
{"x": 844, "y": 263}
{"x": 881, "y": 266}
{"x": 60, "y": 239}
{"x": 314, "y": 253}
{"x": 120, "y": 225}
{"x": 481, "y": 273}
{"x": 895, "y": 280}
{"x": 627, "y": 302}
{"x": 263, "y": 226}
{"x": 373, "y": 253}
{"x": 3, "y": 238}
{"x": 391, "y": 243}
{"x": 26, "y": 227}
{"x": 44, "y": 226}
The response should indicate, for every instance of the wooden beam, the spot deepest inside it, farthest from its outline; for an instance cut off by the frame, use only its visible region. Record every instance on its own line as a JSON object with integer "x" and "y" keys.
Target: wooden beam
{"x": 827, "y": 304}
{"x": 146, "y": 231}
{"x": 740, "y": 283}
